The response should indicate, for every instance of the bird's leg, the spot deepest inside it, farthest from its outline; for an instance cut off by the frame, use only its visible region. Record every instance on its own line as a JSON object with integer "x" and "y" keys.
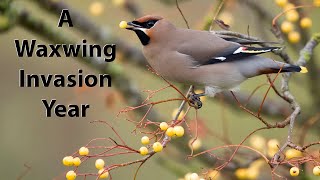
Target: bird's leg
{"x": 195, "y": 101}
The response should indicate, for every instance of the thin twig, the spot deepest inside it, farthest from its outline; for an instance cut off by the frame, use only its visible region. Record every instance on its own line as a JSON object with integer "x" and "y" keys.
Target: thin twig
{"x": 184, "y": 18}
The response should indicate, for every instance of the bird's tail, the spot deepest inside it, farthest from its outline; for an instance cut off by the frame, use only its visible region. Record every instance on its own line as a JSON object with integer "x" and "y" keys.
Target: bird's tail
{"x": 294, "y": 68}
{"x": 257, "y": 65}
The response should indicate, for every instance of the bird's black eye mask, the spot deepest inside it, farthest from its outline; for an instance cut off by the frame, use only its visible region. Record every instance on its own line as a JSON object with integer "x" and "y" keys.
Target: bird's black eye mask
{"x": 143, "y": 37}
{"x": 148, "y": 24}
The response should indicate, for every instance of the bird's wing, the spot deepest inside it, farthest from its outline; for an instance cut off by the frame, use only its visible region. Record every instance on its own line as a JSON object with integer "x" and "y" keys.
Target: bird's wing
{"x": 207, "y": 48}
{"x": 243, "y": 41}
{"x": 239, "y": 54}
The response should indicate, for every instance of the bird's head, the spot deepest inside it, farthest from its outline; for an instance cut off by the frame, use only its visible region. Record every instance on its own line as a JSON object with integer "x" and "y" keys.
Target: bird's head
{"x": 145, "y": 27}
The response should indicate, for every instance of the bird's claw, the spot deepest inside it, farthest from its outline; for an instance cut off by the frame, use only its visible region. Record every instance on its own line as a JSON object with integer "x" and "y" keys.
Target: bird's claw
{"x": 195, "y": 101}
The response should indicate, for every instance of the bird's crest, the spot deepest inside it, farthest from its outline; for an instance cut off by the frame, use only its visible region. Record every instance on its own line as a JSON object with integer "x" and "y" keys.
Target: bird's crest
{"x": 148, "y": 18}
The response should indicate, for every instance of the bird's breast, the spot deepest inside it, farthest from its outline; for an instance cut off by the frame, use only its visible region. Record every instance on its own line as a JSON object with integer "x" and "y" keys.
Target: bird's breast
{"x": 168, "y": 63}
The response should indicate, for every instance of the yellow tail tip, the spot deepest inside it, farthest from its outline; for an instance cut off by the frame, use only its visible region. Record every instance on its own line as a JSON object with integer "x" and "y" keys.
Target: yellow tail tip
{"x": 303, "y": 69}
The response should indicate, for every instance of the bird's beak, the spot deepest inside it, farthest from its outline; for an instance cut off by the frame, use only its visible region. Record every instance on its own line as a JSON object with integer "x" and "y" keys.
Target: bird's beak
{"x": 133, "y": 26}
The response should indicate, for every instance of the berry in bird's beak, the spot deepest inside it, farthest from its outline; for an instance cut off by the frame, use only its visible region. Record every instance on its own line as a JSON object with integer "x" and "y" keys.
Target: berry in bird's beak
{"x": 123, "y": 24}
{"x": 129, "y": 25}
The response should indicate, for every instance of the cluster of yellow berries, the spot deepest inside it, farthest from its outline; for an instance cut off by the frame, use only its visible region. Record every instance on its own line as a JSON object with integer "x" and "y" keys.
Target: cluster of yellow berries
{"x": 172, "y": 131}
{"x": 294, "y": 171}
{"x": 70, "y": 161}
{"x": 177, "y": 131}
{"x": 144, "y": 150}
{"x": 101, "y": 171}
{"x": 250, "y": 173}
{"x": 157, "y": 146}
{"x": 292, "y": 16}
{"x": 270, "y": 147}
{"x": 83, "y": 151}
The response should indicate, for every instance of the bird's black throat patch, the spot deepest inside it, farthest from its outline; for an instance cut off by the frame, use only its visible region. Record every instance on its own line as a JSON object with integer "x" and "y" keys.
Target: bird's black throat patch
{"x": 144, "y": 39}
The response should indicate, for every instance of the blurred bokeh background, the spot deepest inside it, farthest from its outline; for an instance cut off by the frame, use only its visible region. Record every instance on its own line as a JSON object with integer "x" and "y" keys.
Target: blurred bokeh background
{"x": 28, "y": 137}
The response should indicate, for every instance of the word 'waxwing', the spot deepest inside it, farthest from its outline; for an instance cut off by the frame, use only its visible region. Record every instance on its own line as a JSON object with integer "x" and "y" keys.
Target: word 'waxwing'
{"x": 201, "y": 57}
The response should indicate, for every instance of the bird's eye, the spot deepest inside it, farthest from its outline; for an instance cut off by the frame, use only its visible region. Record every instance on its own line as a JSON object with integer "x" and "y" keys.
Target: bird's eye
{"x": 150, "y": 24}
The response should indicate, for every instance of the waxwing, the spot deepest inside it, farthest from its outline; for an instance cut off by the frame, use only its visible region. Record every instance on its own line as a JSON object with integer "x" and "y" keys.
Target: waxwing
{"x": 201, "y": 57}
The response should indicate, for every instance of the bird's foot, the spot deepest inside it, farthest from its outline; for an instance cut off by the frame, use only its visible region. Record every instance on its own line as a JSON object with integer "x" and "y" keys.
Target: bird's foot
{"x": 194, "y": 100}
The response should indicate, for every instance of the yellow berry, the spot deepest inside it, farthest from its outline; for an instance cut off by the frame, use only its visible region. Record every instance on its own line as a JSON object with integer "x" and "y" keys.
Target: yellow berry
{"x": 257, "y": 164}
{"x": 292, "y": 16}
{"x": 213, "y": 175}
{"x": 76, "y": 161}
{"x": 170, "y": 132}
{"x": 96, "y": 8}
{"x": 305, "y": 23}
{"x": 272, "y": 152}
{"x": 67, "y": 161}
{"x": 258, "y": 142}
{"x": 83, "y": 151}
{"x": 157, "y": 147}
{"x": 196, "y": 144}
{"x": 288, "y": 6}
{"x": 286, "y": 27}
{"x": 273, "y": 147}
{"x": 241, "y": 173}
{"x": 294, "y": 37}
{"x": 316, "y": 170}
{"x": 316, "y": 3}
{"x": 99, "y": 163}
{"x": 273, "y": 144}
{"x": 118, "y": 2}
{"x": 103, "y": 175}
{"x": 252, "y": 173}
{"x": 174, "y": 113}
{"x": 194, "y": 176}
{"x": 164, "y": 126}
{"x": 281, "y": 3}
{"x": 145, "y": 140}
{"x": 143, "y": 151}
{"x": 292, "y": 153}
{"x": 178, "y": 131}
{"x": 71, "y": 175}
{"x": 187, "y": 176}
{"x": 123, "y": 24}
{"x": 294, "y": 171}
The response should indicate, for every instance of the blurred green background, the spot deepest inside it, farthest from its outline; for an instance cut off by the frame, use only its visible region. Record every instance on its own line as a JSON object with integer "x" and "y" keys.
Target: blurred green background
{"x": 28, "y": 137}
